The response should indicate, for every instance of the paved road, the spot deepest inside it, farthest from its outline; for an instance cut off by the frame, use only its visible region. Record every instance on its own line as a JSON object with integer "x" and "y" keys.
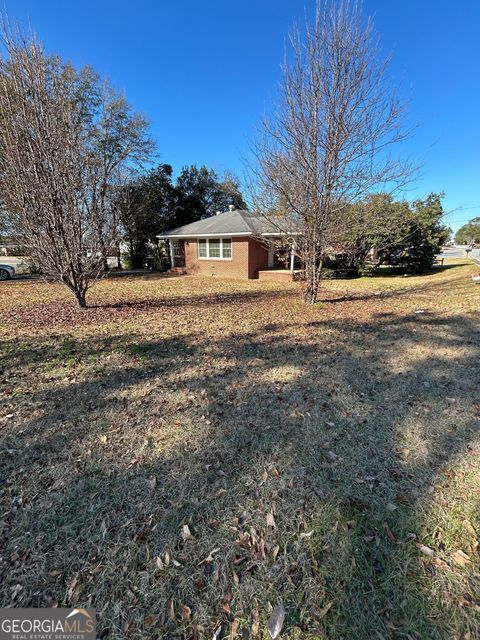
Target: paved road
{"x": 458, "y": 251}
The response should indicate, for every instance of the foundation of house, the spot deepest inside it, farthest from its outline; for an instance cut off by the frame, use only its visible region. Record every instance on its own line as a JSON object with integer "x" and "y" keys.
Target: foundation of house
{"x": 279, "y": 275}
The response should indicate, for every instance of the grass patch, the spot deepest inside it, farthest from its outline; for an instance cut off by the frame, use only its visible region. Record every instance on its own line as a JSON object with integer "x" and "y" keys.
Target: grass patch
{"x": 325, "y": 458}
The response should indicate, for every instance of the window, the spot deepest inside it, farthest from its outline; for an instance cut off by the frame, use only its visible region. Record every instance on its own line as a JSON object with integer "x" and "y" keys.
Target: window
{"x": 215, "y": 248}
{"x": 226, "y": 249}
{"x": 177, "y": 250}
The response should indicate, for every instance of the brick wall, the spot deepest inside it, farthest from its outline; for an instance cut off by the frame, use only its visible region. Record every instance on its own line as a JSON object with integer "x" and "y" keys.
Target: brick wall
{"x": 237, "y": 267}
{"x": 249, "y": 256}
{"x": 258, "y": 257}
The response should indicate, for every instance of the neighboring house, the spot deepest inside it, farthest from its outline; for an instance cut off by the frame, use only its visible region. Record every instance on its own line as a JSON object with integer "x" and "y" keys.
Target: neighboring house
{"x": 8, "y": 247}
{"x": 231, "y": 244}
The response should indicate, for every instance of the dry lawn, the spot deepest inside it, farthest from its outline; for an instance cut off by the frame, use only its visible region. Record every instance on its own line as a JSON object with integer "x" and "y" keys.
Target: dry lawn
{"x": 190, "y": 452}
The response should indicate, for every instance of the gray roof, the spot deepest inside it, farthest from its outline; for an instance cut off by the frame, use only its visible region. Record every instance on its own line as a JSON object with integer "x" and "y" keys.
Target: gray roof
{"x": 238, "y": 222}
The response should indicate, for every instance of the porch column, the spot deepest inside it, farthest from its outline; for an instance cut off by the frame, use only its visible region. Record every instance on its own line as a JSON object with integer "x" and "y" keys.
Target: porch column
{"x": 270, "y": 257}
{"x": 292, "y": 256}
{"x": 170, "y": 246}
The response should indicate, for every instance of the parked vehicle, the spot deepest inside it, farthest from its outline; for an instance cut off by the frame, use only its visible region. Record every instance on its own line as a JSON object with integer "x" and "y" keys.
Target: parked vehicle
{"x": 6, "y": 272}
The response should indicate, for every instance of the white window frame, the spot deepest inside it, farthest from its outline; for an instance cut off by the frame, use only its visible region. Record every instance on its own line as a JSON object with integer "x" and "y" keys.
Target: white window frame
{"x": 176, "y": 249}
{"x": 207, "y": 244}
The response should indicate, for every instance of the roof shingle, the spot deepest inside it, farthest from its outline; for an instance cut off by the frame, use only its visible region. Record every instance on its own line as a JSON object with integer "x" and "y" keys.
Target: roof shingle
{"x": 237, "y": 222}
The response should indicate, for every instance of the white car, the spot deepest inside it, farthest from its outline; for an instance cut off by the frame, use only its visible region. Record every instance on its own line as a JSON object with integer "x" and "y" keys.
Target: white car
{"x": 6, "y": 272}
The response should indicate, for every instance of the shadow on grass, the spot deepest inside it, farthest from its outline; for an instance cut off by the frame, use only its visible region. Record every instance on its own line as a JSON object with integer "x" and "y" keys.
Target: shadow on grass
{"x": 301, "y": 463}
{"x": 386, "y": 294}
{"x": 398, "y": 272}
{"x": 206, "y": 300}
{"x": 66, "y": 313}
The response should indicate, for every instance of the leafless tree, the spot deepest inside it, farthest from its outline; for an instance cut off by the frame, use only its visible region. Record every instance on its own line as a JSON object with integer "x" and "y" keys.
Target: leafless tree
{"x": 329, "y": 141}
{"x": 66, "y": 140}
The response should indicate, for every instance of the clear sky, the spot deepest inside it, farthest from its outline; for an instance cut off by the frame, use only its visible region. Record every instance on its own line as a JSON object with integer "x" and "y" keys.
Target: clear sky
{"x": 205, "y": 72}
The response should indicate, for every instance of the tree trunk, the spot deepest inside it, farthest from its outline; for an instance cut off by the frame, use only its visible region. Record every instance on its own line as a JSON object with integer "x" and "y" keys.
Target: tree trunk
{"x": 80, "y": 295}
{"x": 312, "y": 277}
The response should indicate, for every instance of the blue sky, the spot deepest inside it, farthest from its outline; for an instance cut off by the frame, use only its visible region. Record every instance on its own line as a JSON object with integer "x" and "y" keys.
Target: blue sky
{"x": 205, "y": 72}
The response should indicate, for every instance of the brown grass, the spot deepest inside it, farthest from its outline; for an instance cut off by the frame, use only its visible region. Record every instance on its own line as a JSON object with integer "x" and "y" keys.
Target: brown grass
{"x": 325, "y": 458}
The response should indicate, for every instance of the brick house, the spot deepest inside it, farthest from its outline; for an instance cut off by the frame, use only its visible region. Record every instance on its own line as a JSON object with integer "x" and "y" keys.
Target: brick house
{"x": 231, "y": 244}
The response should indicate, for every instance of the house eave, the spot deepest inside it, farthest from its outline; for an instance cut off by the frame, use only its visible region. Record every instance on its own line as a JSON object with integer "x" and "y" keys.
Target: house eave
{"x": 172, "y": 236}
{"x": 283, "y": 233}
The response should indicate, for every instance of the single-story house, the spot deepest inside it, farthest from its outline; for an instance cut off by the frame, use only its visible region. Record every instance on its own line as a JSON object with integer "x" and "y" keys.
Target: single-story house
{"x": 230, "y": 244}
{"x": 8, "y": 247}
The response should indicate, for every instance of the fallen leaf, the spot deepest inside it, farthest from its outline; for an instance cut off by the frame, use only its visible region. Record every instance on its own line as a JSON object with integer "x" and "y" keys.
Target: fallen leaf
{"x": 234, "y": 629}
{"x": 255, "y": 622}
{"x": 150, "y": 621}
{"x": 438, "y": 562}
{"x": 171, "y": 609}
{"x": 307, "y": 535}
{"x": 321, "y": 613}
{"x": 185, "y": 612}
{"x": 55, "y": 572}
{"x": 159, "y": 563}
{"x": 426, "y": 550}
{"x": 209, "y": 558}
{"x": 276, "y": 620}
{"x": 460, "y": 558}
{"x": 271, "y": 520}
{"x": 16, "y": 590}
{"x": 244, "y": 517}
{"x": 71, "y": 585}
{"x": 468, "y": 526}
{"x": 392, "y": 539}
{"x": 186, "y": 535}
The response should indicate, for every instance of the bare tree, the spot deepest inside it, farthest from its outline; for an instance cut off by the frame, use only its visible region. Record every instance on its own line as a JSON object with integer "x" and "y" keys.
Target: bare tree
{"x": 66, "y": 139}
{"x": 328, "y": 142}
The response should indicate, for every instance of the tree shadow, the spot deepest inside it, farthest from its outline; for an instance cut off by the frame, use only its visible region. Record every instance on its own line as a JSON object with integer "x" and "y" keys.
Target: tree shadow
{"x": 206, "y": 300}
{"x": 301, "y": 462}
{"x": 398, "y": 272}
{"x": 386, "y": 294}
